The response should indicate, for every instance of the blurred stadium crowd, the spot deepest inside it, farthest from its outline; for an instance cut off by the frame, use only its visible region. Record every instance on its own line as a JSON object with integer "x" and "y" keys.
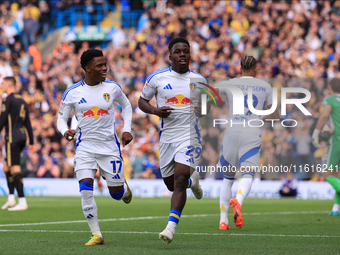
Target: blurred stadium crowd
{"x": 296, "y": 43}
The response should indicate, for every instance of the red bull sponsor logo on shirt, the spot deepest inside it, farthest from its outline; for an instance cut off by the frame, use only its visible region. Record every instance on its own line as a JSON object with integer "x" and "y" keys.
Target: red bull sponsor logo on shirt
{"x": 178, "y": 100}
{"x": 95, "y": 112}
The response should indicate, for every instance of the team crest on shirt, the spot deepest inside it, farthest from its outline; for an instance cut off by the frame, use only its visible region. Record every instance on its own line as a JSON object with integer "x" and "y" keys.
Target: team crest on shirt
{"x": 106, "y": 97}
{"x": 193, "y": 86}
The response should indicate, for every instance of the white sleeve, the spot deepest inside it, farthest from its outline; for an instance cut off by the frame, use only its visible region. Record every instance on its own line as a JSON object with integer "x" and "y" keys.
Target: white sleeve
{"x": 74, "y": 123}
{"x": 149, "y": 90}
{"x": 122, "y": 100}
{"x": 64, "y": 113}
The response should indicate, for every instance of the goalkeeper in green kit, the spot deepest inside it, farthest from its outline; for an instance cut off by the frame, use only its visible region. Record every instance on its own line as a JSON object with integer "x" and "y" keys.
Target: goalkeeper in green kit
{"x": 331, "y": 111}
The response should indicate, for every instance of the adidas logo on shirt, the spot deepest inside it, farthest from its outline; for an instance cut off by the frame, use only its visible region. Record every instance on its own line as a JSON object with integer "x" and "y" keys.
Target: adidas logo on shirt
{"x": 82, "y": 101}
{"x": 168, "y": 86}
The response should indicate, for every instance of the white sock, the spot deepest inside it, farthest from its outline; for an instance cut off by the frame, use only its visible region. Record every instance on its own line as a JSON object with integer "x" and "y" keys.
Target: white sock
{"x": 335, "y": 208}
{"x": 172, "y": 225}
{"x": 125, "y": 191}
{"x": 244, "y": 188}
{"x": 191, "y": 181}
{"x": 22, "y": 201}
{"x": 11, "y": 197}
{"x": 225, "y": 196}
{"x": 90, "y": 211}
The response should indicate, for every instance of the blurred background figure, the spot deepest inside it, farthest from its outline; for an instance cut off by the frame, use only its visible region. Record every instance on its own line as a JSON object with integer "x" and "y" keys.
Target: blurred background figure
{"x": 289, "y": 186}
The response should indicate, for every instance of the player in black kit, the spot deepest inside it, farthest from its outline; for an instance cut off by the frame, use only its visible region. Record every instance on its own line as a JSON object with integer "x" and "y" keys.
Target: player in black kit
{"x": 15, "y": 117}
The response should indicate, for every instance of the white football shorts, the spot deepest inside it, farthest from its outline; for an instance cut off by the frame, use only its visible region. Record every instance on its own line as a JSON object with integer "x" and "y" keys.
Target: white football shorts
{"x": 184, "y": 152}
{"x": 111, "y": 167}
{"x": 240, "y": 149}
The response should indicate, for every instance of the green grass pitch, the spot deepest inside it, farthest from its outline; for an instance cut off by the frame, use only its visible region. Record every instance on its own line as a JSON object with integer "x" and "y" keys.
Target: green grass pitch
{"x": 282, "y": 226}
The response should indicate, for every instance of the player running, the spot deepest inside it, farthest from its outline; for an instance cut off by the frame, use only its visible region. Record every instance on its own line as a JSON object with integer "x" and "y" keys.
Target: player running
{"x": 180, "y": 141}
{"x": 97, "y": 145}
{"x": 241, "y": 143}
{"x": 14, "y": 115}
{"x": 331, "y": 106}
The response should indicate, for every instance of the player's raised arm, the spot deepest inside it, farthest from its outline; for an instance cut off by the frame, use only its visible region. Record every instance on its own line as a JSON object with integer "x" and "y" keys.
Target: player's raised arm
{"x": 127, "y": 116}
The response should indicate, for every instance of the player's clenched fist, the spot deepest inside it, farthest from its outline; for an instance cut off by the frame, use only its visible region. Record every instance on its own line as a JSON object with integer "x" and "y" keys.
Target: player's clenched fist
{"x": 126, "y": 138}
{"x": 69, "y": 134}
{"x": 163, "y": 111}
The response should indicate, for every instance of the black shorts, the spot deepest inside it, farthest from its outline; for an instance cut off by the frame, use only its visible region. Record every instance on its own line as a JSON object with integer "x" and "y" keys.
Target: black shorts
{"x": 13, "y": 151}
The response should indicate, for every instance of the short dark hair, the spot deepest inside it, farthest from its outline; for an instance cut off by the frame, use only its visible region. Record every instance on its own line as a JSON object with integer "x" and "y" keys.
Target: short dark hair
{"x": 335, "y": 84}
{"x": 88, "y": 55}
{"x": 177, "y": 40}
{"x": 248, "y": 63}
{"x": 12, "y": 80}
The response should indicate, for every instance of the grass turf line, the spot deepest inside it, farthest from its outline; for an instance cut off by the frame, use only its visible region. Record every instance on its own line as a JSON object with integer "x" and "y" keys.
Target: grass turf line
{"x": 267, "y": 228}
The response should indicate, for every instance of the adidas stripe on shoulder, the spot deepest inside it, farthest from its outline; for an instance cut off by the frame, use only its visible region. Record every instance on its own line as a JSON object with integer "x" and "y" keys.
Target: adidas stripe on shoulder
{"x": 113, "y": 82}
{"x": 74, "y": 86}
{"x": 157, "y": 72}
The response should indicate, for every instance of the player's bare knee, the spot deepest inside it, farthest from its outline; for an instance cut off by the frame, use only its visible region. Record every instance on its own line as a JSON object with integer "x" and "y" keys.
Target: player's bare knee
{"x": 181, "y": 182}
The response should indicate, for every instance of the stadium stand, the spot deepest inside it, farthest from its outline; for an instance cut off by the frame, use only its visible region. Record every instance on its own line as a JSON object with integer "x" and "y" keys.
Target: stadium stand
{"x": 293, "y": 42}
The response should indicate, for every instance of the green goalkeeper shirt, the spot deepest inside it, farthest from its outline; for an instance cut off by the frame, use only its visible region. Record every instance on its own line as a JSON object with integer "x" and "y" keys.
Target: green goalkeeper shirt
{"x": 334, "y": 117}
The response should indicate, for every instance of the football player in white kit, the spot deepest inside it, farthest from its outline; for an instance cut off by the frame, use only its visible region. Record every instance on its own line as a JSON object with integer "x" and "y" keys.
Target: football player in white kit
{"x": 241, "y": 143}
{"x": 180, "y": 142}
{"x": 97, "y": 144}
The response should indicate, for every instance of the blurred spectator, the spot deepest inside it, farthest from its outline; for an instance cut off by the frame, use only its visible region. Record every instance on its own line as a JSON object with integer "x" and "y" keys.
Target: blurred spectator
{"x": 48, "y": 169}
{"x": 148, "y": 173}
{"x": 44, "y": 17}
{"x": 35, "y": 54}
{"x": 33, "y": 163}
{"x": 151, "y": 167}
{"x": 127, "y": 165}
{"x": 32, "y": 11}
{"x": 285, "y": 155}
{"x": 289, "y": 186}
{"x": 119, "y": 38}
{"x": 137, "y": 164}
{"x": 303, "y": 148}
{"x": 5, "y": 69}
{"x": 30, "y": 31}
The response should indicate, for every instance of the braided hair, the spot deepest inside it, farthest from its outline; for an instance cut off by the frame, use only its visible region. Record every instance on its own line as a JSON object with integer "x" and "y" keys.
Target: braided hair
{"x": 248, "y": 63}
{"x": 177, "y": 40}
{"x": 88, "y": 55}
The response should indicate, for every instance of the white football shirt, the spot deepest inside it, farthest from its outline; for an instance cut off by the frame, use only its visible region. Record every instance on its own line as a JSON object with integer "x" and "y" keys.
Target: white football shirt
{"x": 181, "y": 92}
{"x": 262, "y": 96}
{"x": 94, "y": 110}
